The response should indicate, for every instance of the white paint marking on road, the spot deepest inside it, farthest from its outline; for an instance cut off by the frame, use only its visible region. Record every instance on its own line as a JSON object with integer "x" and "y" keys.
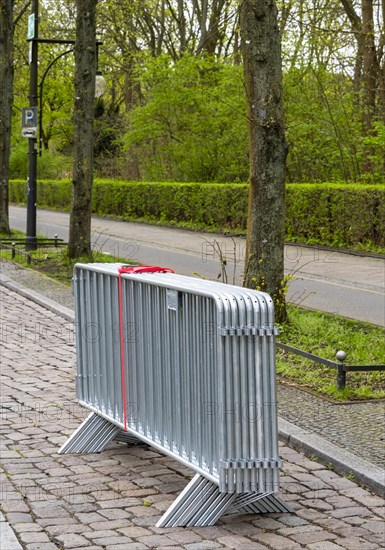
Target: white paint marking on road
{"x": 326, "y": 282}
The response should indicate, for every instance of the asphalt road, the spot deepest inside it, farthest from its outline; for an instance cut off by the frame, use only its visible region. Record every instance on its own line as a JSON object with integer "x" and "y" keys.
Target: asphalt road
{"x": 346, "y": 284}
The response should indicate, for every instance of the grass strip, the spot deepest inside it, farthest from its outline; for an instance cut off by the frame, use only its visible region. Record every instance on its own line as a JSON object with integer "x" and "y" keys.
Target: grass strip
{"x": 324, "y": 334}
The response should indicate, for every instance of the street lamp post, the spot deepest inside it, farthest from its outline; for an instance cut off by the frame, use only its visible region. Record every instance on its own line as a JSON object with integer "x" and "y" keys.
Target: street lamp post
{"x": 33, "y": 31}
{"x": 37, "y": 107}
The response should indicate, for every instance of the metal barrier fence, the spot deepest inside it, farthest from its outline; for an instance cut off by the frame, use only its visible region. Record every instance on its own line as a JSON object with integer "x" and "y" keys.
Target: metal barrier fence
{"x": 187, "y": 366}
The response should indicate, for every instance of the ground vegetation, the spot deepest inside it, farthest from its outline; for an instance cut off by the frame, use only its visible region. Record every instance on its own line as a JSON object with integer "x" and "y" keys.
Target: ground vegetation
{"x": 175, "y": 106}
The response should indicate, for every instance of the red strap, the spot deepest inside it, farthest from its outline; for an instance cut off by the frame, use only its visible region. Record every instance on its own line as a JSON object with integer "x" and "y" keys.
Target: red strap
{"x": 144, "y": 269}
{"x": 130, "y": 269}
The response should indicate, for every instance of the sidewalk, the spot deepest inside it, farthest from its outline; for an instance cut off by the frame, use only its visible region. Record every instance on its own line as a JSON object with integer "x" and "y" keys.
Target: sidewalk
{"x": 112, "y": 500}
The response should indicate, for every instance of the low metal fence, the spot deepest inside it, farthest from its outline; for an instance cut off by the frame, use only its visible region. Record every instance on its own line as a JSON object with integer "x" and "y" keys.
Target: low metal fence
{"x": 187, "y": 366}
{"x": 339, "y": 365}
{"x": 13, "y": 247}
{"x": 16, "y": 246}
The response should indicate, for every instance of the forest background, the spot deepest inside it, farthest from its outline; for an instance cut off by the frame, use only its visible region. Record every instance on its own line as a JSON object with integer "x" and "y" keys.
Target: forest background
{"x": 175, "y": 105}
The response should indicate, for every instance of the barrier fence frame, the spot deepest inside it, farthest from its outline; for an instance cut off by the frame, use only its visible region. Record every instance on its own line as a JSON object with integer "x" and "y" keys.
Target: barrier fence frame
{"x": 197, "y": 382}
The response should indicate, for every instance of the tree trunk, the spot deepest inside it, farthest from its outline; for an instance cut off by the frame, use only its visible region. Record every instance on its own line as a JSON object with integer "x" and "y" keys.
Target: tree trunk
{"x": 261, "y": 49}
{"x": 182, "y": 26}
{"x": 131, "y": 90}
{"x": 382, "y": 65}
{"x": 85, "y": 69}
{"x": 214, "y": 35}
{"x": 368, "y": 69}
{"x": 370, "y": 66}
{"x": 6, "y": 101}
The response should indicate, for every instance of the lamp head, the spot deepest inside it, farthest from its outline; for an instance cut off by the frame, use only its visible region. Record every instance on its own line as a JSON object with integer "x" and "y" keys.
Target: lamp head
{"x": 100, "y": 84}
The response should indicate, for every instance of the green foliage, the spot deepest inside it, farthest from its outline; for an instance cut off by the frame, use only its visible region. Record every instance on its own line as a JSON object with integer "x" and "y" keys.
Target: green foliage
{"x": 191, "y": 124}
{"x": 50, "y": 194}
{"x": 15, "y": 234}
{"x": 336, "y": 215}
{"x": 205, "y": 205}
{"x": 18, "y": 162}
{"x": 323, "y": 126}
{"x": 51, "y": 165}
{"x": 58, "y": 84}
{"x": 374, "y": 147}
{"x": 339, "y": 215}
{"x": 186, "y": 111}
{"x": 188, "y": 123}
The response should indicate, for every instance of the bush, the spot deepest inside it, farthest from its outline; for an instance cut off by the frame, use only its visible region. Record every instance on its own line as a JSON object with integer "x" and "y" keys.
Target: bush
{"x": 50, "y": 194}
{"x": 329, "y": 214}
{"x": 336, "y": 215}
{"x": 191, "y": 122}
{"x": 51, "y": 165}
{"x": 197, "y": 204}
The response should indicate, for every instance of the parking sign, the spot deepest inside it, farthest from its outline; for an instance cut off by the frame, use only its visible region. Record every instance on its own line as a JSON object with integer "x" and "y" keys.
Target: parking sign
{"x": 29, "y": 122}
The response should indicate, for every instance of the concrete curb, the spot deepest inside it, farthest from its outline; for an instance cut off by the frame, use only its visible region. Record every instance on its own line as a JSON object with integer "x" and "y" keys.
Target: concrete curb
{"x": 65, "y": 312}
{"x": 343, "y": 462}
{"x": 8, "y": 539}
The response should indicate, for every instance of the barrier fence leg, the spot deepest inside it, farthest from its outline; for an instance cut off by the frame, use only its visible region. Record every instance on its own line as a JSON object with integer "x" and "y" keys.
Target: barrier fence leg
{"x": 262, "y": 503}
{"x": 93, "y": 436}
{"x": 199, "y": 504}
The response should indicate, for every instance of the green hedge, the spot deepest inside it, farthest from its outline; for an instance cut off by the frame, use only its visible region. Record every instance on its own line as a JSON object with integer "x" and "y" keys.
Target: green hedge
{"x": 328, "y": 214}
{"x": 336, "y": 215}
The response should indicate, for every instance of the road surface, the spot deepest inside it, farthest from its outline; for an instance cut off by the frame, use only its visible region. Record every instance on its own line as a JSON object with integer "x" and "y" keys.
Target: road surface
{"x": 346, "y": 284}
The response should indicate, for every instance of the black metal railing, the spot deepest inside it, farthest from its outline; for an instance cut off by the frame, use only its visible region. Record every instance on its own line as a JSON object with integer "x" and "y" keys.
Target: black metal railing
{"x": 342, "y": 368}
{"x": 16, "y": 246}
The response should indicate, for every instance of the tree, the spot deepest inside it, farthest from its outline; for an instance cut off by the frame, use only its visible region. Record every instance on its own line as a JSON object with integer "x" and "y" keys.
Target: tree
{"x": 369, "y": 70}
{"x": 85, "y": 69}
{"x": 261, "y": 50}
{"x": 6, "y": 100}
{"x": 7, "y": 30}
{"x": 367, "y": 21}
{"x": 192, "y": 123}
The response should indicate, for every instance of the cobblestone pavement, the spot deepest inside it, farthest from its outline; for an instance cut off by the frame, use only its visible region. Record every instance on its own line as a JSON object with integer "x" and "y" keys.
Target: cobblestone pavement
{"x": 112, "y": 500}
{"x": 356, "y": 427}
